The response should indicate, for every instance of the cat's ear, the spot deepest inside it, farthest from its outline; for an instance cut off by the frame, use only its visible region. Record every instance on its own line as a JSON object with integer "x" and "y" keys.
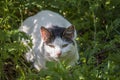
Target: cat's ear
{"x": 45, "y": 34}
{"x": 69, "y": 32}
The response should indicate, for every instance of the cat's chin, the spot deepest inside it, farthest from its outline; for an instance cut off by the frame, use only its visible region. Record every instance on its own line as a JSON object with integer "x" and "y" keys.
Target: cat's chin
{"x": 52, "y": 58}
{"x": 59, "y": 58}
{"x": 56, "y": 58}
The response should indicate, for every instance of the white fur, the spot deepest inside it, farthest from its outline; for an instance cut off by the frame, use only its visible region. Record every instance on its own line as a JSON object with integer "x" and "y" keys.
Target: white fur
{"x": 31, "y": 26}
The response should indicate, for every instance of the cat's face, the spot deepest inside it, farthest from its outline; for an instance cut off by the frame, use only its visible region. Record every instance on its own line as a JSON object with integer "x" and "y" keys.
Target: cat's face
{"x": 58, "y": 42}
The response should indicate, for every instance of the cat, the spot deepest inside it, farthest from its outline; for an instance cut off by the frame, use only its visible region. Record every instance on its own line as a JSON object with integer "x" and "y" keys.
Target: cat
{"x": 53, "y": 39}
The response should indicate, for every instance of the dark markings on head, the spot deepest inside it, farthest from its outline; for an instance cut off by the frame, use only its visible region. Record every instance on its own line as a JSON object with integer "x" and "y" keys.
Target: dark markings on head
{"x": 58, "y": 32}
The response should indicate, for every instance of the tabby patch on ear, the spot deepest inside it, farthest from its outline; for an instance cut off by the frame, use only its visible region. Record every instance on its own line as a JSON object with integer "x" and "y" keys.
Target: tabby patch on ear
{"x": 69, "y": 32}
{"x": 45, "y": 34}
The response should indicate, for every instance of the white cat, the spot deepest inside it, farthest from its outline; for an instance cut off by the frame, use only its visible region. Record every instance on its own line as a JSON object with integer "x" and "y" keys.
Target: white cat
{"x": 53, "y": 39}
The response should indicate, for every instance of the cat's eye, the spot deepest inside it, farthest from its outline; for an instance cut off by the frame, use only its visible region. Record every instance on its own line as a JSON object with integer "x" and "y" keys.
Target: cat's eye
{"x": 51, "y": 46}
{"x": 65, "y": 45}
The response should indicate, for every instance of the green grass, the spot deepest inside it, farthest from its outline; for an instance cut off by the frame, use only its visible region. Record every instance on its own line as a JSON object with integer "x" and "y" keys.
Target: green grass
{"x": 98, "y": 27}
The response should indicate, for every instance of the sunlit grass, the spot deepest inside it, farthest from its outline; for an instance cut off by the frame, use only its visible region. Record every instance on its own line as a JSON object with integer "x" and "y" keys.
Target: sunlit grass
{"x": 98, "y": 27}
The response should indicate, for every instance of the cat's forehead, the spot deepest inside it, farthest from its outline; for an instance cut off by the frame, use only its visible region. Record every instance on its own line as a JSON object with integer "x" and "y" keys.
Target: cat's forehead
{"x": 59, "y": 41}
{"x": 56, "y": 31}
{"x": 57, "y": 36}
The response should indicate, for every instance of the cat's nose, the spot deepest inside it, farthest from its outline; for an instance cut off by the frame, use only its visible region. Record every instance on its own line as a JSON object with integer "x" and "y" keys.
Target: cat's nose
{"x": 58, "y": 54}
